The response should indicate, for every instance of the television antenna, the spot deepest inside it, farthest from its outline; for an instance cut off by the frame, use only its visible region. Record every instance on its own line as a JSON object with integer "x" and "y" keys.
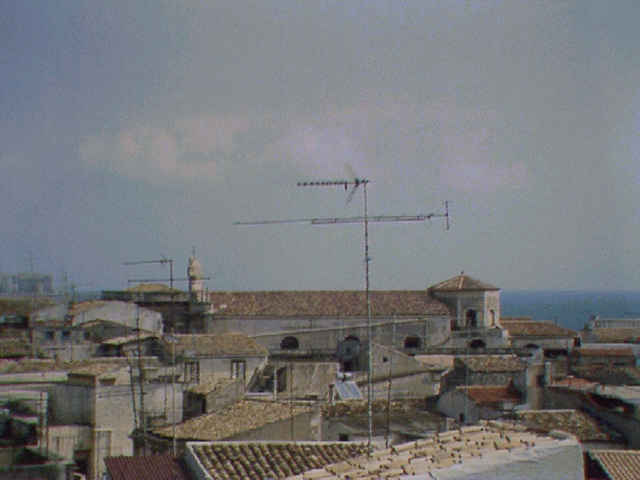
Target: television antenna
{"x": 365, "y": 219}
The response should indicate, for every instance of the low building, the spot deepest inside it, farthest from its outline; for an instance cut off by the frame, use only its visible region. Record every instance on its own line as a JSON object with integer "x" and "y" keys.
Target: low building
{"x": 527, "y": 333}
{"x": 206, "y": 357}
{"x": 245, "y": 420}
{"x": 468, "y": 405}
{"x": 485, "y": 370}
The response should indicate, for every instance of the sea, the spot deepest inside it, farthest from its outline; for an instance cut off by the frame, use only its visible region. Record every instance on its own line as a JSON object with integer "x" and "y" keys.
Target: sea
{"x": 570, "y": 309}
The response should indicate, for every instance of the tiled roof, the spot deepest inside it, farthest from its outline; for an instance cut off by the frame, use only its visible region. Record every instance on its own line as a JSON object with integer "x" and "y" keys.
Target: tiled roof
{"x": 575, "y": 383}
{"x": 148, "y": 467}
{"x": 613, "y": 375}
{"x": 351, "y": 408}
{"x": 422, "y": 457}
{"x": 575, "y": 422}
{"x": 616, "y": 335}
{"x": 261, "y": 461}
{"x": 492, "y": 394}
{"x": 535, "y": 328}
{"x": 14, "y": 349}
{"x": 491, "y": 363}
{"x": 325, "y": 303}
{"x": 237, "y": 418}
{"x": 205, "y": 388}
{"x": 213, "y": 345}
{"x": 618, "y": 464}
{"x": 462, "y": 282}
{"x": 604, "y": 352}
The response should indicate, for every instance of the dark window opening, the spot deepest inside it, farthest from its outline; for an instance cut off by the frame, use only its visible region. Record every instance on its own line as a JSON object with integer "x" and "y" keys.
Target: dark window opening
{"x": 477, "y": 343}
{"x": 471, "y": 317}
{"x": 412, "y": 341}
{"x": 49, "y": 335}
{"x": 289, "y": 343}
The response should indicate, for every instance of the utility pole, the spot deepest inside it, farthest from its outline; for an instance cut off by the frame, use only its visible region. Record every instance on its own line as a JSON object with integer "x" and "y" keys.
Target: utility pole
{"x": 365, "y": 219}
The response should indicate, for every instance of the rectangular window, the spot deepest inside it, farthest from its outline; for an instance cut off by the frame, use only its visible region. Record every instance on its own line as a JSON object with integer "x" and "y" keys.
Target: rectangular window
{"x": 49, "y": 335}
{"x": 238, "y": 369}
{"x": 192, "y": 372}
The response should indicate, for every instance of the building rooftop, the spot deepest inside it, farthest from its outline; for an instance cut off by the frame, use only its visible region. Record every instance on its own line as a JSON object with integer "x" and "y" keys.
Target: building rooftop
{"x": 243, "y": 416}
{"x": 262, "y": 461}
{"x": 462, "y": 282}
{"x": 146, "y": 467}
{"x": 325, "y": 303}
{"x": 618, "y": 464}
{"x": 523, "y": 327}
{"x": 575, "y": 422}
{"x": 492, "y": 394}
{"x": 482, "y": 446}
{"x": 616, "y": 335}
{"x": 597, "y": 351}
{"x": 205, "y": 388}
{"x": 491, "y": 363}
{"x": 216, "y": 345}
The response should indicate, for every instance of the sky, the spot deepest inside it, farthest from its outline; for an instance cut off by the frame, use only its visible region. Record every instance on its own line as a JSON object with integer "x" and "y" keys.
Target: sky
{"x": 136, "y": 131}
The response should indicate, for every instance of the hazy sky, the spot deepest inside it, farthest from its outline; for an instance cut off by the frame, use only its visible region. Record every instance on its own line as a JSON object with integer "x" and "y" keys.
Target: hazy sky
{"x": 139, "y": 130}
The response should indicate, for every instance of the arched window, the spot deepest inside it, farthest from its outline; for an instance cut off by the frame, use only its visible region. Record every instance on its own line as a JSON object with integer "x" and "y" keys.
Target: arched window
{"x": 477, "y": 343}
{"x": 289, "y": 343}
{"x": 492, "y": 317}
{"x": 412, "y": 341}
{"x": 471, "y": 317}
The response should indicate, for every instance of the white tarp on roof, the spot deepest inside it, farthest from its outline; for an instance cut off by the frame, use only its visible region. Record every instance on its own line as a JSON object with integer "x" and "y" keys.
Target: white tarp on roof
{"x": 547, "y": 461}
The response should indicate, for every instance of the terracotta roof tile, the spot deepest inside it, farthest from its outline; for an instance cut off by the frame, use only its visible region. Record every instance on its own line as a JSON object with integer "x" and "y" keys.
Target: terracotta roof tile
{"x": 575, "y": 422}
{"x": 148, "y": 467}
{"x": 422, "y": 457}
{"x": 535, "y": 328}
{"x": 616, "y": 335}
{"x": 492, "y": 394}
{"x": 618, "y": 464}
{"x": 326, "y": 303}
{"x": 604, "y": 352}
{"x": 462, "y": 282}
{"x": 237, "y": 418}
{"x": 205, "y": 388}
{"x": 261, "y": 461}
{"x": 491, "y": 363}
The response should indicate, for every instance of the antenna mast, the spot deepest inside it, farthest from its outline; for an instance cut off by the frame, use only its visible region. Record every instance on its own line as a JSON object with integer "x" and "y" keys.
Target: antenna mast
{"x": 355, "y": 183}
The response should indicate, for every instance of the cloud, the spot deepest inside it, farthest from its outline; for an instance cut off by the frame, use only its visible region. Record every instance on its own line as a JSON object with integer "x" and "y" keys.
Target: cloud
{"x": 381, "y": 139}
{"x": 192, "y": 148}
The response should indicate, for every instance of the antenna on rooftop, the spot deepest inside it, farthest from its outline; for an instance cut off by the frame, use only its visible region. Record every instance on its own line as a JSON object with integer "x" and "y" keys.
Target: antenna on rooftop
{"x": 354, "y": 185}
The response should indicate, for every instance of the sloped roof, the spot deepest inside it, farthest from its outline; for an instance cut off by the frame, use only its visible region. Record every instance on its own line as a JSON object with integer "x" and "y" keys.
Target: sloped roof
{"x": 325, "y": 303}
{"x": 261, "y": 461}
{"x": 243, "y": 416}
{"x": 575, "y": 422}
{"x": 614, "y": 375}
{"x": 618, "y": 464}
{"x": 215, "y": 345}
{"x": 476, "y": 446}
{"x": 462, "y": 282}
{"x": 593, "y": 351}
{"x": 205, "y": 388}
{"x": 146, "y": 467}
{"x": 492, "y": 394}
{"x": 616, "y": 335}
{"x": 527, "y": 328}
{"x": 491, "y": 363}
